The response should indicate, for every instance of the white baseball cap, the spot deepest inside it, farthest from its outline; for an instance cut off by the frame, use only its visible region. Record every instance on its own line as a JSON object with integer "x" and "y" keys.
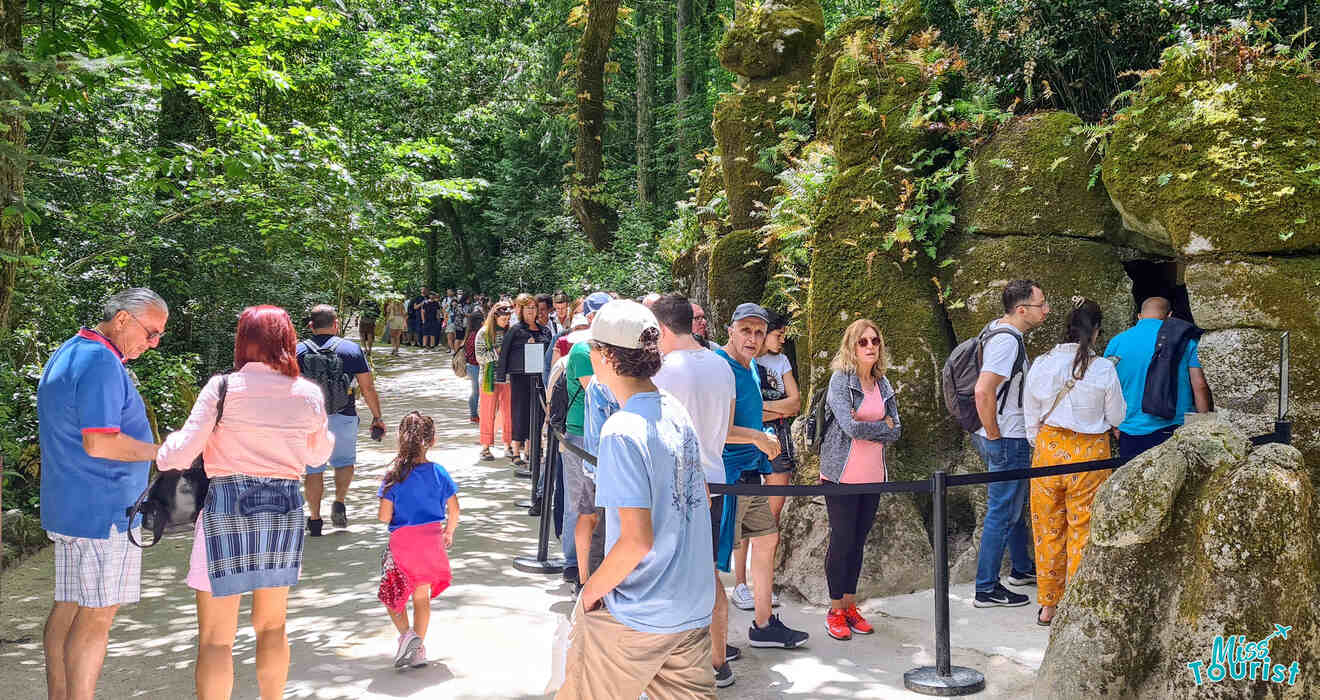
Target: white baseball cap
{"x": 621, "y": 323}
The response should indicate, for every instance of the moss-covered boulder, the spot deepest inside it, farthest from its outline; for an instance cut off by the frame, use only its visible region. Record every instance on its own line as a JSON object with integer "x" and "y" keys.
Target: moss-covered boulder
{"x": 1236, "y": 555}
{"x": 869, "y": 102}
{"x": 892, "y": 22}
{"x": 1215, "y": 158}
{"x": 1246, "y": 302}
{"x": 773, "y": 38}
{"x": 897, "y": 558}
{"x": 737, "y": 275}
{"x": 1064, "y": 267}
{"x": 854, "y": 276}
{"x": 1032, "y": 178}
{"x": 745, "y": 130}
{"x": 711, "y": 200}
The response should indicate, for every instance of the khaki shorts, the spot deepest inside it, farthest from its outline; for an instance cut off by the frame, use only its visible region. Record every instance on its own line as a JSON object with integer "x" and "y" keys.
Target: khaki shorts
{"x": 608, "y": 660}
{"x": 754, "y": 518}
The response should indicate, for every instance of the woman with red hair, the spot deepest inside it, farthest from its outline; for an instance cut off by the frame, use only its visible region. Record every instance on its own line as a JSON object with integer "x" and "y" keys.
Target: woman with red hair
{"x": 256, "y": 428}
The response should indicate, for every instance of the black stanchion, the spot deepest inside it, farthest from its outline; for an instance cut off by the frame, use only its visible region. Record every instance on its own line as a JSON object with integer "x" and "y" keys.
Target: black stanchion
{"x": 534, "y": 461}
{"x": 543, "y": 564}
{"x": 943, "y": 679}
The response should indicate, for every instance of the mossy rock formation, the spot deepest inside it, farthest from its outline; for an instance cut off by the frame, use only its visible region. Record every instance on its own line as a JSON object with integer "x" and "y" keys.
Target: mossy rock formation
{"x": 869, "y": 104}
{"x": 710, "y": 185}
{"x": 744, "y": 125}
{"x": 893, "y": 22}
{"x": 852, "y": 277}
{"x": 773, "y": 38}
{"x": 1228, "y": 548}
{"x": 1032, "y": 179}
{"x": 1064, "y": 267}
{"x": 1245, "y": 303}
{"x": 1211, "y": 159}
{"x": 737, "y": 275}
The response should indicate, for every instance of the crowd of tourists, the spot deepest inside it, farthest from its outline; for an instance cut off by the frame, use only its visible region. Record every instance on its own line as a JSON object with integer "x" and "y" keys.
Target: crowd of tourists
{"x": 651, "y": 411}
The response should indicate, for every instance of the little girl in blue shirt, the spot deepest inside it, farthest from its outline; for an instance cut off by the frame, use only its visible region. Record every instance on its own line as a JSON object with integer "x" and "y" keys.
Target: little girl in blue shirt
{"x": 419, "y": 501}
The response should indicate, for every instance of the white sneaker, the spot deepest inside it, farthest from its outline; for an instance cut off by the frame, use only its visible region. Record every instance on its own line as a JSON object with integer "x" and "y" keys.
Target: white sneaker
{"x": 418, "y": 658}
{"x": 409, "y": 643}
{"x": 742, "y": 597}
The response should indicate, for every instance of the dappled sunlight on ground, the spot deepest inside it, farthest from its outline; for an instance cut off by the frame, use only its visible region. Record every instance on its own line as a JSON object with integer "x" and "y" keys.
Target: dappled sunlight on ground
{"x": 491, "y": 631}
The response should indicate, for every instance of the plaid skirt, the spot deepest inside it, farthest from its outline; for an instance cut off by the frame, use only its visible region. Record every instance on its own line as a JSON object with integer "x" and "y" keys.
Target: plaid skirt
{"x": 254, "y": 533}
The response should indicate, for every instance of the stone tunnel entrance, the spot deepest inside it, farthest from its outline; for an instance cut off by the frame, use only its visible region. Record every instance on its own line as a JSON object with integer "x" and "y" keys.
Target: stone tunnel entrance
{"x": 1159, "y": 278}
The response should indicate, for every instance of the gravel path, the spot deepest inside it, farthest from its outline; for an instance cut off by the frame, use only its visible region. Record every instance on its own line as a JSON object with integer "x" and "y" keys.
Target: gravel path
{"x": 491, "y": 631}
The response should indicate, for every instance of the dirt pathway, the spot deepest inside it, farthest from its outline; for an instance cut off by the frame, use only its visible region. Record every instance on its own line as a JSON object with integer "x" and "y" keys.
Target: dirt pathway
{"x": 491, "y": 631}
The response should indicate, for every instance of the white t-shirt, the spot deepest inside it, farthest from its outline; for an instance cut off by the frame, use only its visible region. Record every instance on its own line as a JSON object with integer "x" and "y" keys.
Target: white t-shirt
{"x": 703, "y": 383}
{"x": 776, "y": 366}
{"x": 1000, "y": 353}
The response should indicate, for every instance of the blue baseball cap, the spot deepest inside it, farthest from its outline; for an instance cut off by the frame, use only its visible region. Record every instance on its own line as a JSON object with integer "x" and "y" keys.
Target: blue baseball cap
{"x": 595, "y": 301}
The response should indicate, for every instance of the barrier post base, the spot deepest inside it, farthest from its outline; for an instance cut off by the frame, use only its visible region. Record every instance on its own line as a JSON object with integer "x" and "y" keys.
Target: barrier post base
{"x": 533, "y": 565}
{"x": 961, "y": 680}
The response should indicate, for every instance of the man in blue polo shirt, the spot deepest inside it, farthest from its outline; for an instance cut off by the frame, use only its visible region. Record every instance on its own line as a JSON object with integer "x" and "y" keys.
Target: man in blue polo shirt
{"x": 96, "y": 447}
{"x": 1133, "y": 350}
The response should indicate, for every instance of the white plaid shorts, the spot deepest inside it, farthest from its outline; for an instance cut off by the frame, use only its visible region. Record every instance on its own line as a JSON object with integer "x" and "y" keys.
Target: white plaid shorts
{"x": 98, "y": 573}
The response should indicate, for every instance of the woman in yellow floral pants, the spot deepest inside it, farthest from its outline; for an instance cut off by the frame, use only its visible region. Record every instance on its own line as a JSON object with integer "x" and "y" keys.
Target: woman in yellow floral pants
{"x": 1072, "y": 401}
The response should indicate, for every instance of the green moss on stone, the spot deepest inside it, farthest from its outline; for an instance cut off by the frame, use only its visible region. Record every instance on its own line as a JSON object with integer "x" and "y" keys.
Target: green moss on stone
{"x": 1031, "y": 178}
{"x": 1212, "y": 159}
{"x": 737, "y": 275}
{"x": 1064, "y": 267}
{"x": 869, "y": 105}
{"x": 744, "y": 125}
{"x": 853, "y": 276}
{"x": 774, "y": 38}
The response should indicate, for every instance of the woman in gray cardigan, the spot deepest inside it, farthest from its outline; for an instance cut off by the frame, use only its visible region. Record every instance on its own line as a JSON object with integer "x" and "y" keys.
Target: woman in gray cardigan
{"x": 853, "y": 452}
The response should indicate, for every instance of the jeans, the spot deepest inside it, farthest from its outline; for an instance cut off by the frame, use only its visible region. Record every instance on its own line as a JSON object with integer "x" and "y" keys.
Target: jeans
{"x": 574, "y": 482}
{"x": 474, "y": 399}
{"x": 1004, "y": 524}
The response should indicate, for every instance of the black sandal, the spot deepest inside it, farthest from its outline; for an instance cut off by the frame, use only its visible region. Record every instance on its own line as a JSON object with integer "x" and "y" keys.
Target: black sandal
{"x": 1043, "y": 623}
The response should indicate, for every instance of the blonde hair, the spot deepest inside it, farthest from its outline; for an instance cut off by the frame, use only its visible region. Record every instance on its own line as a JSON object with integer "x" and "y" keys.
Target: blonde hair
{"x": 520, "y": 302}
{"x": 845, "y": 360}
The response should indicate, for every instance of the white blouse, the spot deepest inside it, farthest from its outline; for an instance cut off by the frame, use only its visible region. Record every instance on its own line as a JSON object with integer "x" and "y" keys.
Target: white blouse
{"x": 1094, "y": 405}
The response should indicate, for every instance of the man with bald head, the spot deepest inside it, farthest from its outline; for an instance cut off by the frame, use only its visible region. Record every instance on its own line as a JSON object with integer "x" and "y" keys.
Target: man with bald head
{"x": 1133, "y": 351}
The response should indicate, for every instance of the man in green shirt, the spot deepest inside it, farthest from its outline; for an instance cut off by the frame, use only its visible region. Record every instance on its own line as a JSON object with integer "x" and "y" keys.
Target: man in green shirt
{"x": 370, "y": 310}
{"x": 579, "y": 490}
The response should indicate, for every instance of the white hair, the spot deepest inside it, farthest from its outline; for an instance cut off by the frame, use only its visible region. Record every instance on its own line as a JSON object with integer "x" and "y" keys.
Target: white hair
{"x": 134, "y": 301}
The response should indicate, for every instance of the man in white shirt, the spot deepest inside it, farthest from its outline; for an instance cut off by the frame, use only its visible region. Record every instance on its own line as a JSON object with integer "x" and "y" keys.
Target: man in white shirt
{"x": 1002, "y": 443}
{"x": 703, "y": 383}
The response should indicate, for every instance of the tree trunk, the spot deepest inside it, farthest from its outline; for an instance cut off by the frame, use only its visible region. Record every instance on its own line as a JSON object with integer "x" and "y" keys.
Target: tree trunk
{"x": 683, "y": 72}
{"x": 586, "y": 192}
{"x": 645, "y": 66}
{"x": 13, "y": 157}
{"x": 448, "y": 213}
{"x": 428, "y": 269}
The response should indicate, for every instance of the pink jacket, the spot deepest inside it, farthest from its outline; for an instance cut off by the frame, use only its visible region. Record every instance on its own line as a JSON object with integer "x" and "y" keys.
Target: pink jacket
{"x": 273, "y": 426}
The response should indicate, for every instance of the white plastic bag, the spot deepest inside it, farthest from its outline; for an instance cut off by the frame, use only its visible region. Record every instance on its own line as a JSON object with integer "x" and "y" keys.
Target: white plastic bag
{"x": 559, "y": 654}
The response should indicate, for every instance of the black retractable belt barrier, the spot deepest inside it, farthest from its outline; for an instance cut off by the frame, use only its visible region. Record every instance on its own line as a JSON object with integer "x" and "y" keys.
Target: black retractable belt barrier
{"x": 542, "y": 564}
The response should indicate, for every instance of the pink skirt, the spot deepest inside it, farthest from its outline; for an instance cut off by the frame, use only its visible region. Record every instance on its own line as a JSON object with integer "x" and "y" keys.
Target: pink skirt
{"x": 417, "y": 557}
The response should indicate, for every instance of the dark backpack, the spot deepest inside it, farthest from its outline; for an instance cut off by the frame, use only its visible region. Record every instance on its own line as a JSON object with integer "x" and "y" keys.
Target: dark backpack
{"x": 560, "y": 400}
{"x": 1160, "y": 397}
{"x": 174, "y": 499}
{"x": 819, "y": 418}
{"x": 963, "y": 368}
{"x": 324, "y": 367}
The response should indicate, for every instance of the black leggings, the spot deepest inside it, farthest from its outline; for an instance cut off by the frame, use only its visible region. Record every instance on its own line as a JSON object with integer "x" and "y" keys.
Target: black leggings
{"x": 851, "y": 518}
{"x": 520, "y": 392}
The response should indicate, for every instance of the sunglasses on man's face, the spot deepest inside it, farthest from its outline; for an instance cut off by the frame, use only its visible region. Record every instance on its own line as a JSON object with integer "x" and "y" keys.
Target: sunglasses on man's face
{"x": 868, "y": 341}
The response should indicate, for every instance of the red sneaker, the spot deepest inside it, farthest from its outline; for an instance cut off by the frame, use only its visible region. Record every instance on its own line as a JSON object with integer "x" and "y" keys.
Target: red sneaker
{"x": 836, "y": 624}
{"x": 856, "y": 621}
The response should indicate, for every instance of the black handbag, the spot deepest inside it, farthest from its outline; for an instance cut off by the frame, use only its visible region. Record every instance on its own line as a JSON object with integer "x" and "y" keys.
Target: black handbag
{"x": 174, "y": 499}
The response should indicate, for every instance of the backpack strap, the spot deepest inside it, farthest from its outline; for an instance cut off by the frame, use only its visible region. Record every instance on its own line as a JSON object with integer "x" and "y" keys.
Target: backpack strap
{"x": 1067, "y": 388}
{"x": 1018, "y": 362}
{"x": 311, "y": 345}
{"x": 333, "y": 344}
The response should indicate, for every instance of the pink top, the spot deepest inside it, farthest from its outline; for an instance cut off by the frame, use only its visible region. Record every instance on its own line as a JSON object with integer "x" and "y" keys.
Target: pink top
{"x": 866, "y": 458}
{"x": 273, "y": 426}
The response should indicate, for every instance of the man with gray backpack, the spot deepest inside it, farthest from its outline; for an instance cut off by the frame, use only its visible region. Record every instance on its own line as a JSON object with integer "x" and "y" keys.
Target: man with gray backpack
{"x": 982, "y": 383}
{"x": 335, "y": 364}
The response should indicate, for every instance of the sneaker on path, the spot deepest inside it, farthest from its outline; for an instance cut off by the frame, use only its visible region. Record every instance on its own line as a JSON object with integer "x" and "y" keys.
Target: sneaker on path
{"x": 836, "y": 625}
{"x": 856, "y": 622}
{"x": 314, "y": 526}
{"x": 723, "y": 676}
{"x": 1019, "y": 578}
{"x": 418, "y": 657}
{"x": 776, "y": 635}
{"x": 742, "y": 597}
{"x": 732, "y": 653}
{"x": 1000, "y": 597}
{"x": 339, "y": 514}
{"x": 408, "y": 645}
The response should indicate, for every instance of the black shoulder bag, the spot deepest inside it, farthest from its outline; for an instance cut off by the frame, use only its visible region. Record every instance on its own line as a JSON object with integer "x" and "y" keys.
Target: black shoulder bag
{"x": 173, "y": 500}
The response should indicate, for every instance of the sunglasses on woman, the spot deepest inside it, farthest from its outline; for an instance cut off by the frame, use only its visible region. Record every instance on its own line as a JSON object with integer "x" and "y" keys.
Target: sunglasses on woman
{"x": 868, "y": 341}
{"x": 502, "y": 312}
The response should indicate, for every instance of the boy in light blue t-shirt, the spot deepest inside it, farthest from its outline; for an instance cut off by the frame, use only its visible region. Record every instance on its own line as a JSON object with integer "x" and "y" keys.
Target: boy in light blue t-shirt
{"x": 643, "y": 620}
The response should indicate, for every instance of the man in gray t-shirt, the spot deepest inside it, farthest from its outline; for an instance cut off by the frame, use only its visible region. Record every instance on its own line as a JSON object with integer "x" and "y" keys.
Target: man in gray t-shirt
{"x": 1002, "y": 444}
